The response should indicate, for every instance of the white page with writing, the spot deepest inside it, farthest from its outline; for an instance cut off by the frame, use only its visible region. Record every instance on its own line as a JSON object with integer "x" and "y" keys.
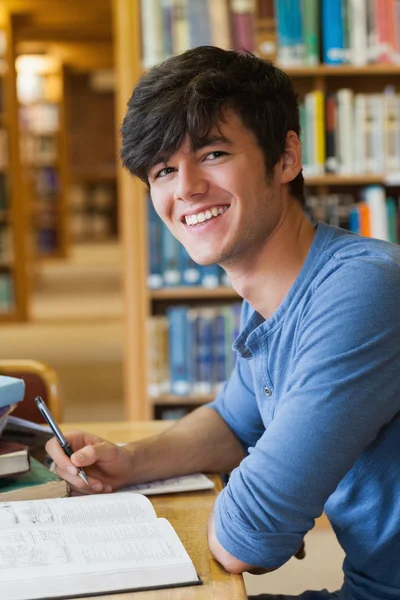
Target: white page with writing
{"x": 185, "y": 483}
{"x": 80, "y": 511}
{"x": 67, "y": 551}
{"x": 52, "y": 562}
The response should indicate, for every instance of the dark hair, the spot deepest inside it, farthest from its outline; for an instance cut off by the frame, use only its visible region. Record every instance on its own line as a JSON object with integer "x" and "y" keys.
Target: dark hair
{"x": 186, "y": 95}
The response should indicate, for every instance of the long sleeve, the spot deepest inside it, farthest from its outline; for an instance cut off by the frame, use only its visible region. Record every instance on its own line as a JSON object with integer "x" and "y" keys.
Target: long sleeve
{"x": 341, "y": 394}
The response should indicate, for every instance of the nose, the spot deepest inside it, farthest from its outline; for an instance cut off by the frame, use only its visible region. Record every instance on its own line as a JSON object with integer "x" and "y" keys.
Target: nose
{"x": 190, "y": 183}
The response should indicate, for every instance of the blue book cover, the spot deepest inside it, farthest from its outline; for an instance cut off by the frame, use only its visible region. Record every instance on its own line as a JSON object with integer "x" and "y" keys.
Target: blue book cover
{"x": 205, "y": 321}
{"x": 154, "y": 244}
{"x": 170, "y": 259}
{"x": 354, "y": 219}
{"x": 210, "y": 276}
{"x": 12, "y": 390}
{"x": 229, "y": 326}
{"x": 178, "y": 350}
{"x": 199, "y": 23}
{"x": 285, "y": 31}
{"x": 193, "y": 374}
{"x": 223, "y": 278}
{"x": 332, "y": 32}
{"x": 296, "y": 32}
{"x": 219, "y": 354}
{"x": 167, "y": 7}
{"x": 190, "y": 270}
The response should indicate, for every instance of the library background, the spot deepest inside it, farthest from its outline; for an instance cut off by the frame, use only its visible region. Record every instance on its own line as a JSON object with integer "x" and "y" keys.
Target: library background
{"x": 91, "y": 282}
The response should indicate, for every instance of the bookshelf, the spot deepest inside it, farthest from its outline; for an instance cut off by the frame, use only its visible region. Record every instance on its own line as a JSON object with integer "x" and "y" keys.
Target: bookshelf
{"x": 142, "y": 302}
{"x": 92, "y": 192}
{"x": 14, "y": 283}
{"x": 40, "y": 85}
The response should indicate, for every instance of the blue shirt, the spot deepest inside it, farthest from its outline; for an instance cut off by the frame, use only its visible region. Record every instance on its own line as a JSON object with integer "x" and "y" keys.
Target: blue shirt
{"x": 315, "y": 399}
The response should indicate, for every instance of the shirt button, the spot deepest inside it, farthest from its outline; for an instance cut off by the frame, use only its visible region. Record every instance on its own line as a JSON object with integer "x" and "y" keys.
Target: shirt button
{"x": 267, "y": 391}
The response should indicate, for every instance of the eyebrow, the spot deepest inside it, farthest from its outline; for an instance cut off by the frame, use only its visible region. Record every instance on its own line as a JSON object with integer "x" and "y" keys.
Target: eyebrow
{"x": 210, "y": 140}
{"x": 200, "y": 144}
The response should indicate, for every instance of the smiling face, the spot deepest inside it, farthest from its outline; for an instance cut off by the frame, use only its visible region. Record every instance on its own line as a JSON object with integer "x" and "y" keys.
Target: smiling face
{"x": 217, "y": 200}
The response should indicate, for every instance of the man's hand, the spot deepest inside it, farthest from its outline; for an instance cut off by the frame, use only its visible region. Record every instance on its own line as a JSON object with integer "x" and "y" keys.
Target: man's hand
{"x": 107, "y": 466}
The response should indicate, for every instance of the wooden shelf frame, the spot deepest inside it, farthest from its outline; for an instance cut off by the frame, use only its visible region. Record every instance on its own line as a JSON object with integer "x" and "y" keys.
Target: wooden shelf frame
{"x": 383, "y": 70}
{"x": 174, "y": 400}
{"x": 16, "y": 216}
{"x": 192, "y": 293}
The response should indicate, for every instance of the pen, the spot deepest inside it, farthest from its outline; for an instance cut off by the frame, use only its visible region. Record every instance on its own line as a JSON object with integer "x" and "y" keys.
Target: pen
{"x": 58, "y": 433}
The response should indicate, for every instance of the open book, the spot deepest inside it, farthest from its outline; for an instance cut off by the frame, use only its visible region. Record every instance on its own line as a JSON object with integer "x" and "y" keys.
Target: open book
{"x": 88, "y": 545}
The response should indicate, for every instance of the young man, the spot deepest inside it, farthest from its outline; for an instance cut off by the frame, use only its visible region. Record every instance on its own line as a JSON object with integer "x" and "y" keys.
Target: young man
{"x": 309, "y": 419}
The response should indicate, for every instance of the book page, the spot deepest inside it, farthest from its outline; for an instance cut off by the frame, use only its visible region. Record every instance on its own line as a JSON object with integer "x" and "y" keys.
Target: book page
{"x": 79, "y": 511}
{"x": 186, "y": 483}
{"x": 56, "y": 552}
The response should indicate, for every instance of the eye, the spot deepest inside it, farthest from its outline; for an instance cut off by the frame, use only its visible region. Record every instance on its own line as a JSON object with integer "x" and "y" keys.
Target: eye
{"x": 215, "y": 154}
{"x": 164, "y": 172}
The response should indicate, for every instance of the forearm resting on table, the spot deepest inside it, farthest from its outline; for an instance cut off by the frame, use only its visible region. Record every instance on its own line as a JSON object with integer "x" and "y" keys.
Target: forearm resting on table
{"x": 200, "y": 441}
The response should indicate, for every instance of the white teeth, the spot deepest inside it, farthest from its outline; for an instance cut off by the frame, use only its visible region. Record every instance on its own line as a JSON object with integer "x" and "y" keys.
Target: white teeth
{"x": 215, "y": 211}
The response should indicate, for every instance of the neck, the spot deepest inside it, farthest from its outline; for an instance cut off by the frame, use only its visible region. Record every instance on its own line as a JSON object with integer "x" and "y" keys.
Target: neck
{"x": 265, "y": 277}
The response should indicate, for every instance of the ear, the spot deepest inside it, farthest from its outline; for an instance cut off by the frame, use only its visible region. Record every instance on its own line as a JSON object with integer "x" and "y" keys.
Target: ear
{"x": 291, "y": 157}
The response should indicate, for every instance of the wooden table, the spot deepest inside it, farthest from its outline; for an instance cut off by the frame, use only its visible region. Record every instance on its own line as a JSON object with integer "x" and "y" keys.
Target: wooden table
{"x": 188, "y": 514}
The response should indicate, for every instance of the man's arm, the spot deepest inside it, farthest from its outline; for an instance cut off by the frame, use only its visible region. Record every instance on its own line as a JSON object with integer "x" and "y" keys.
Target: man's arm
{"x": 200, "y": 441}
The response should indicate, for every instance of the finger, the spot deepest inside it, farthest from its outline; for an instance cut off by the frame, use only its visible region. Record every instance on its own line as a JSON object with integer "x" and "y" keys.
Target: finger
{"x": 100, "y": 452}
{"x": 77, "y": 485}
{"x": 55, "y": 451}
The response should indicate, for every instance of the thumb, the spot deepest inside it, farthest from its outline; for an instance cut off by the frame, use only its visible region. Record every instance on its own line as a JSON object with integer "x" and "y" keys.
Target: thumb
{"x": 92, "y": 453}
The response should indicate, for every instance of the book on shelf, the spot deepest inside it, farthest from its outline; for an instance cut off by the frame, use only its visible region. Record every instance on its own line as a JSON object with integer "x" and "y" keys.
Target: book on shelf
{"x": 243, "y": 24}
{"x": 38, "y": 482}
{"x": 355, "y": 32}
{"x": 152, "y": 32}
{"x": 219, "y": 13}
{"x": 199, "y": 23}
{"x": 192, "y": 353}
{"x": 14, "y": 459}
{"x": 369, "y": 212}
{"x": 329, "y": 125}
{"x": 169, "y": 262}
{"x": 172, "y": 26}
{"x": 3, "y": 192}
{"x": 87, "y": 546}
{"x": 6, "y": 293}
{"x": 180, "y": 27}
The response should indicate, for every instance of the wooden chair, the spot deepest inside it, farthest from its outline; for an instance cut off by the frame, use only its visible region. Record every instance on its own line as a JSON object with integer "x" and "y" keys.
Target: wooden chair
{"x": 40, "y": 380}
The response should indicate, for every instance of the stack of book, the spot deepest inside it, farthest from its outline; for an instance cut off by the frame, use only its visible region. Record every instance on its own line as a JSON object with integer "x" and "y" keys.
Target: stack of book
{"x": 355, "y": 32}
{"x": 22, "y": 477}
